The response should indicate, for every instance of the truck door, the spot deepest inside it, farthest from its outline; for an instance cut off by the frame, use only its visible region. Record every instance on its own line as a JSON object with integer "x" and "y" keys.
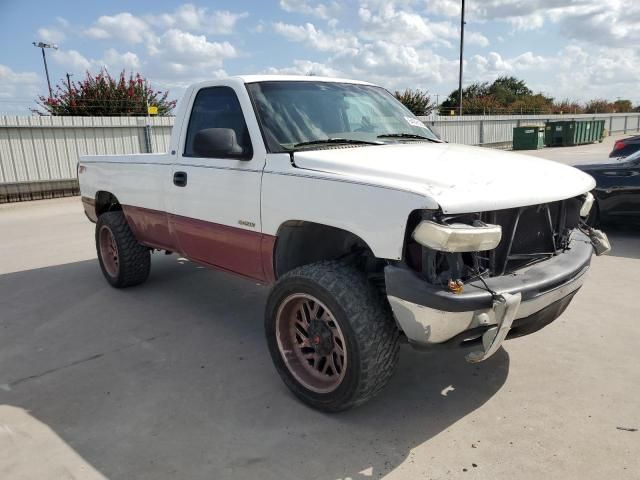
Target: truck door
{"x": 217, "y": 174}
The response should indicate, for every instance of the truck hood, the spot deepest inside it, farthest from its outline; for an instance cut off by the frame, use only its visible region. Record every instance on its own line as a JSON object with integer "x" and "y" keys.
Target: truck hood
{"x": 457, "y": 178}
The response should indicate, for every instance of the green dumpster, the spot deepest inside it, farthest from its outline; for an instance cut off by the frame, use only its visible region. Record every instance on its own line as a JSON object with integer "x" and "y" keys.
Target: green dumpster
{"x": 573, "y": 132}
{"x": 528, "y": 137}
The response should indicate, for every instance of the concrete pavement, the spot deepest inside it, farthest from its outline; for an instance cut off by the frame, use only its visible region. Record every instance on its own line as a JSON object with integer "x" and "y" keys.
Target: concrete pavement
{"x": 581, "y": 154}
{"x": 172, "y": 379}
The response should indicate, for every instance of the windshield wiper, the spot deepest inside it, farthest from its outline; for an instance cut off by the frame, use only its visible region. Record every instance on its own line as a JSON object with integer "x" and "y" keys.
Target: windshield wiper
{"x": 323, "y": 141}
{"x": 408, "y": 135}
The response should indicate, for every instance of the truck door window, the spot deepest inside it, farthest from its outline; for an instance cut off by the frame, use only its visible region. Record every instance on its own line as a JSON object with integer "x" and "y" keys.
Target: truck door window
{"x": 217, "y": 107}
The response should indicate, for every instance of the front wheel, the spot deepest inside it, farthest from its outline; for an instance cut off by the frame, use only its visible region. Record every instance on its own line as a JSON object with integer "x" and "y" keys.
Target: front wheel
{"x": 123, "y": 261}
{"x": 331, "y": 335}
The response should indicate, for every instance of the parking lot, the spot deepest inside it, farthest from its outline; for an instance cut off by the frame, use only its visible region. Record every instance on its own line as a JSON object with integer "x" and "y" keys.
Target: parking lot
{"x": 173, "y": 380}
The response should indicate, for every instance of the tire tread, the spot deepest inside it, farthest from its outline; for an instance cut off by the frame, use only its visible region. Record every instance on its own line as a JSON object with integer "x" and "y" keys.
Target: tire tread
{"x": 371, "y": 319}
{"x": 134, "y": 259}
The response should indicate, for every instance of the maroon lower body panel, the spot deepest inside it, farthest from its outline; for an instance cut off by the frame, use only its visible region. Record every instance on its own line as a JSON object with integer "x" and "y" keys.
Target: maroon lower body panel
{"x": 236, "y": 250}
{"x": 233, "y": 249}
{"x": 151, "y": 227}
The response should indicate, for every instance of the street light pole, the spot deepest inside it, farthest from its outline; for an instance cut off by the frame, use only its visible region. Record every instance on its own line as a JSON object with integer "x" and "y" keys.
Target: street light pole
{"x": 42, "y": 46}
{"x": 461, "y": 58}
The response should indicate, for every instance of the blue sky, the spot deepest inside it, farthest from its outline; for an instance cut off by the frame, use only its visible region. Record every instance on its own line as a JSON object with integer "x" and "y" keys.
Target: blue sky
{"x": 576, "y": 49}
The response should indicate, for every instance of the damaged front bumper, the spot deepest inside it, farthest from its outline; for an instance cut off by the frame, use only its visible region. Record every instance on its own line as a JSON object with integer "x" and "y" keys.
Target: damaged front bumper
{"x": 521, "y": 302}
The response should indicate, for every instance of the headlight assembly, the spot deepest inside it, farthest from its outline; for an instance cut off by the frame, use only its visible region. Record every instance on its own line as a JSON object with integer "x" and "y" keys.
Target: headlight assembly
{"x": 586, "y": 205}
{"x": 457, "y": 237}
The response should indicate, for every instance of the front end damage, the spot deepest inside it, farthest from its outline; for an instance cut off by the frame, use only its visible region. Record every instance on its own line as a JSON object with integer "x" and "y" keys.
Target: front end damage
{"x": 448, "y": 292}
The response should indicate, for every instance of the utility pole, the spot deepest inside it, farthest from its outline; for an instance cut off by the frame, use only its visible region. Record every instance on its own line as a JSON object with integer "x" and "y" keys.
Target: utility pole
{"x": 42, "y": 46}
{"x": 461, "y": 58}
{"x": 69, "y": 75}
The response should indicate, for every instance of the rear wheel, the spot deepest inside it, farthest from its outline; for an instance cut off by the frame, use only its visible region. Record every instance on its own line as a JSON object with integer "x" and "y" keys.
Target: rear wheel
{"x": 331, "y": 335}
{"x": 123, "y": 261}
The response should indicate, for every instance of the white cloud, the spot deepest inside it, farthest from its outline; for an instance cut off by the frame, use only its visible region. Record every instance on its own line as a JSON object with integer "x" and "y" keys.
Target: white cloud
{"x": 54, "y": 33}
{"x": 396, "y": 43}
{"x": 72, "y": 60}
{"x": 190, "y": 18}
{"x": 192, "y": 49}
{"x": 18, "y": 90}
{"x": 447, "y": 8}
{"x": 178, "y": 56}
{"x": 169, "y": 46}
{"x": 316, "y": 9}
{"x": 404, "y": 27}
{"x": 115, "y": 61}
{"x": 123, "y": 26}
{"x": 608, "y": 22}
{"x": 259, "y": 27}
{"x": 306, "y": 67}
{"x": 317, "y": 39}
{"x": 50, "y": 35}
{"x": 14, "y": 84}
{"x": 578, "y": 73}
{"x": 533, "y": 21}
{"x": 493, "y": 65}
{"x": 476, "y": 38}
{"x": 398, "y": 65}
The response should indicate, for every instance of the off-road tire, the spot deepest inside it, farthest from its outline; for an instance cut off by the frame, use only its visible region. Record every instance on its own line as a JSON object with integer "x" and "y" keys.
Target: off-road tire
{"x": 366, "y": 320}
{"x": 134, "y": 262}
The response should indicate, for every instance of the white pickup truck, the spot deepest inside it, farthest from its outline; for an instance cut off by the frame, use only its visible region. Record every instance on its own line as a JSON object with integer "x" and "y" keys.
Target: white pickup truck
{"x": 371, "y": 229}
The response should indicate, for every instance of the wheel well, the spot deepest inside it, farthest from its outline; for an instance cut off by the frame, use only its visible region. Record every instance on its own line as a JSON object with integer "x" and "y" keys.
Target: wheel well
{"x": 106, "y": 202}
{"x": 301, "y": 243}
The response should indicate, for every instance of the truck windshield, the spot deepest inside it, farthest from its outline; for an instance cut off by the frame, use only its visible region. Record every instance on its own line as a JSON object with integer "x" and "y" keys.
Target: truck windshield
{"x": 306, "y": 114}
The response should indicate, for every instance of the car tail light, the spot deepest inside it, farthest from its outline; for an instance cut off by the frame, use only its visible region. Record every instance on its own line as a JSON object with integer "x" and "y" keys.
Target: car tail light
{"x": 619, "y": 145}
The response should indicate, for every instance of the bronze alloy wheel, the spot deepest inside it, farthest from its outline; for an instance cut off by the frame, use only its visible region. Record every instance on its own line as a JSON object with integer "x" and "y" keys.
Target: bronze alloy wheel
{"x": 109, "y": 251}
{"x": 311, "y": 343}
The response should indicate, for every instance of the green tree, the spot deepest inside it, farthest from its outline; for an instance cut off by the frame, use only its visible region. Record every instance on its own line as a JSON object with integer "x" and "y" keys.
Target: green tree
{"x": 567, "y": 106}
{"x": 507, "y": 90}
{"x": 622, "y": 106}
{"x": 104, "y": 95}
{"x": 418, "y": 101}
{"x": 598, "y": 106}
{"x": 535, "y": 104}
{"x": 471, "y": 97}
{"x": 504, "y": 95}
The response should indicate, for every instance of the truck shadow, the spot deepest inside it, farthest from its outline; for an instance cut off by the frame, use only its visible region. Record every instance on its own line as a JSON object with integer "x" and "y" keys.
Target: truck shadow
{"x": 625, "y": 239}
{"x": 173, "y": 379}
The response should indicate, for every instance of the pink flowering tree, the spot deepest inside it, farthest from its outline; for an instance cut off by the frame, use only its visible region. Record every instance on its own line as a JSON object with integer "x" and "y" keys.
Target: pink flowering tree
{"x": 103, "y": 95}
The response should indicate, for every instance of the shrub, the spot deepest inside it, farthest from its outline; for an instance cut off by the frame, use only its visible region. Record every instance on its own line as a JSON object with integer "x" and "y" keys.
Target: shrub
{"x": 418, "y": 101}
{"x": 104, "y": 95}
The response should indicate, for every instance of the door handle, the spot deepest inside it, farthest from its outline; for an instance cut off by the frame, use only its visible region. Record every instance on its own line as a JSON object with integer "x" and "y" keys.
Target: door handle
{"x": 180, "y": 179}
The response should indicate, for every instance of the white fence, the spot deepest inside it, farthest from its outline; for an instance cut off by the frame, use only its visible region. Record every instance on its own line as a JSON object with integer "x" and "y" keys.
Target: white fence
{"x": 38, "y": 155}
{"x": 497, "y": 130}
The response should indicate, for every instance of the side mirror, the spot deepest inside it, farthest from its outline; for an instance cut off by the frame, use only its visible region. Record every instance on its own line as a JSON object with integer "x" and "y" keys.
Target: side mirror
{"x": 218, "y": 143}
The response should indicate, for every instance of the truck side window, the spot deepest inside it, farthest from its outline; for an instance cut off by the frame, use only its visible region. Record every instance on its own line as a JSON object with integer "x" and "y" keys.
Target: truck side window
{"x": 218, "y": 107}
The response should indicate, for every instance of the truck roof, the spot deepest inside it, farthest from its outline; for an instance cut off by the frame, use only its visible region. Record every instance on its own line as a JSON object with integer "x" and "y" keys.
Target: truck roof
{"x": 296, "y": 78}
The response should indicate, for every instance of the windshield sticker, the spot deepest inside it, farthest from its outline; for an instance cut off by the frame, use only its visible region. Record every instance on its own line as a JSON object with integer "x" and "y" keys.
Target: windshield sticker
{"x": 415, "y": 122}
